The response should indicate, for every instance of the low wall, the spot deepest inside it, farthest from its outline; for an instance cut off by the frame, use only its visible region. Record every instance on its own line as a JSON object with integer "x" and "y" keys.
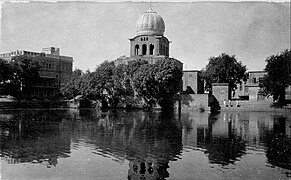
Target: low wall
{"x": 196, "y": 102}
{"x": 221, "y": 91}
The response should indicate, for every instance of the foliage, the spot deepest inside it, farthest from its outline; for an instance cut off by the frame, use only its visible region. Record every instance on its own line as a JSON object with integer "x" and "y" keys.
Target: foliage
{"x": 159, "y": 82}
{"x": 70, "y": 85}
{"x": 118, "y": 84}
{"x": 134, "y": 65}
{"x": 5, "y": 71}
{"x": 279, "y": 75}
{"x": 223, "y": 69}
{"x": 19, "y": 74}
{"x": 6, "y": 74}
{"x": 114, "y": 81}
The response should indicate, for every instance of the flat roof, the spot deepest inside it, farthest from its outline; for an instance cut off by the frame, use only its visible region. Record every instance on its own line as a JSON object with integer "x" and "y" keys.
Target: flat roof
{"x": 191, "y": 70}
{"x": 257, "y": 71}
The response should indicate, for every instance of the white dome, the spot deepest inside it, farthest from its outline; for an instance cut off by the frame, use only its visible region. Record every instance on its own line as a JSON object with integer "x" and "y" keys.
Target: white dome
{"x": 150, "y": 23}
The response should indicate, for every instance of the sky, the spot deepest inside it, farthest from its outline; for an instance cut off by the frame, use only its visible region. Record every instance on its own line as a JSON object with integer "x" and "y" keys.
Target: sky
{"x": 92, "y": 32}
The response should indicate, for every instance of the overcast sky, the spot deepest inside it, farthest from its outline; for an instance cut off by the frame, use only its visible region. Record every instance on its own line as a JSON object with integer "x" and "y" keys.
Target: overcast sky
{"x": 92, "y": 32}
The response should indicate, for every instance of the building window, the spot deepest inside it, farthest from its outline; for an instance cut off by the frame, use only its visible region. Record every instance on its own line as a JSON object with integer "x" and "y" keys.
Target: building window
{"x": 151, "y": 49}
{"x": 144, "y": 49}
{"x": 136, "y": 49}
{"x": 254, "y": 80}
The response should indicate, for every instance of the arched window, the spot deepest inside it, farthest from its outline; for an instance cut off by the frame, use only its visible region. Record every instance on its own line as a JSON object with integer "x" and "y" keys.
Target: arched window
{"x": 147, "y": 38}
{"x": 151, "y": 49}
{"x": 136, "y": 49}
{"x": 140, "y": 39}
{"x": 144, "y": 49}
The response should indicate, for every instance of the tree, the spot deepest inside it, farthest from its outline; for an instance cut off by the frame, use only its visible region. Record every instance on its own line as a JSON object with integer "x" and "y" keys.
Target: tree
{"x": 6, "y": 74}
{"x": 223, "y": 69}
{"x": 158, "y": 82}
{"x": 71, "y": 85}
{"x": 279, "y": 75}
{"x": 23, "y": 72}
{"x": 102, "y": 81}
{"x": 5, "y": 71}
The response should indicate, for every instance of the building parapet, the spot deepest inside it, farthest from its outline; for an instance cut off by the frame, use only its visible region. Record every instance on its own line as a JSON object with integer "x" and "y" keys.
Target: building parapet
{"x": 219, "y": 84}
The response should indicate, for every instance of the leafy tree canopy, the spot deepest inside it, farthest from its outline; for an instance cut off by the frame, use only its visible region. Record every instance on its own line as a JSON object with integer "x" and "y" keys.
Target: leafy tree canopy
{"x": 19, "y": 74}
{"x": 155, "y": 83}
{"x": 71, "y": 84}
{"x": 5, "y": 71}
{"x": 158, "y": 82}
{"x": 279, "y": 75}
{"x": 223, "y": 69}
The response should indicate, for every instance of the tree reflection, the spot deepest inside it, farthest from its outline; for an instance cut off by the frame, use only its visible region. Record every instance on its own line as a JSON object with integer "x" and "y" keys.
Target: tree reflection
{"x": 224, "y": 150}
{"x": 147, "y": 140}
{"x": 279, "y": 145}
{"x": 33, "y": 136}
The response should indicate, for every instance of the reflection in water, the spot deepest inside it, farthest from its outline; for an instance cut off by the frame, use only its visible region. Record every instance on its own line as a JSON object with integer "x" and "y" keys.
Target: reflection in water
{"x": 157, "y": 140}
{"x": 227, "y": 136}
{"x": 223, "y": 144}
{"x": 279, "y": 145}
{"x": 33, "y": 136}
{"x": 148, "y": 141}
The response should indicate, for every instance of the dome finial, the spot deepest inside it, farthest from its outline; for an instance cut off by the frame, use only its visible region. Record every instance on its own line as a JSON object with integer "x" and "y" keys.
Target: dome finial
{"x": 150, "y": 8}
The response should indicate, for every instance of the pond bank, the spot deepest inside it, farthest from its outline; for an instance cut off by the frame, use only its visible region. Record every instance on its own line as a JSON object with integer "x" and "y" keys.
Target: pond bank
{"x": 255, "y": 106}
{"x": 33, "y": 104}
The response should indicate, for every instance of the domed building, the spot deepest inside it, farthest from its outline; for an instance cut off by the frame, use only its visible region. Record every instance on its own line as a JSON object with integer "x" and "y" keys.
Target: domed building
{"x": 149, "y": 43}
{"x": 149, "y": 39}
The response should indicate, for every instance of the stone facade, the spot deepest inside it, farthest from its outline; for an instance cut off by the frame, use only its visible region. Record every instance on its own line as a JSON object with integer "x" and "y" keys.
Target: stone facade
{"x": 251, "y": 87}
{"x": 149, "y": 46}
{"x": 221, "y": 92}
{"x": 192, "y": 79}
{"x": 196, "y": 102}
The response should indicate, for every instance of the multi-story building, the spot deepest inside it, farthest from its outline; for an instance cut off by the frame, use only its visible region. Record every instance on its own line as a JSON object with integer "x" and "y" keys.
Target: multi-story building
{"x": 251, "y": 88}
{"x": 253, "y": 83}
{"x": 53, "y": 68}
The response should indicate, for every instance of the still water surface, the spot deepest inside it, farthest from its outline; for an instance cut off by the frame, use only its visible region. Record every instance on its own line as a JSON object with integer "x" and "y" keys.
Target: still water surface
{"x": 89, "y": 144}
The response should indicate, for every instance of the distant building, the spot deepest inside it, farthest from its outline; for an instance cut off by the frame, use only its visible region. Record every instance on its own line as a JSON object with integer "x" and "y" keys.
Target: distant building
{"x": 53, "y": 67}
{"x": 252, "y": 86}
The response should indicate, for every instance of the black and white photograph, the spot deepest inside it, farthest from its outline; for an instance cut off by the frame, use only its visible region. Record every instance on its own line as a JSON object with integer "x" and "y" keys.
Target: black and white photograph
{"x": 145, "y": 90}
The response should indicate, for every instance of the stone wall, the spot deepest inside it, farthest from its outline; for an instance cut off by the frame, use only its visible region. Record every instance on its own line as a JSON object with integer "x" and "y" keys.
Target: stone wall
{"x": 192, "y": 78}
{"x": 221, "y": 91}
{"x": 253, "y": 93}
{"x": 197, "y": 102}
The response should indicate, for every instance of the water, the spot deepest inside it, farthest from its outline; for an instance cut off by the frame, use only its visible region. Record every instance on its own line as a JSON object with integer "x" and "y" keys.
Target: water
{"x": 89, "y": 144}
